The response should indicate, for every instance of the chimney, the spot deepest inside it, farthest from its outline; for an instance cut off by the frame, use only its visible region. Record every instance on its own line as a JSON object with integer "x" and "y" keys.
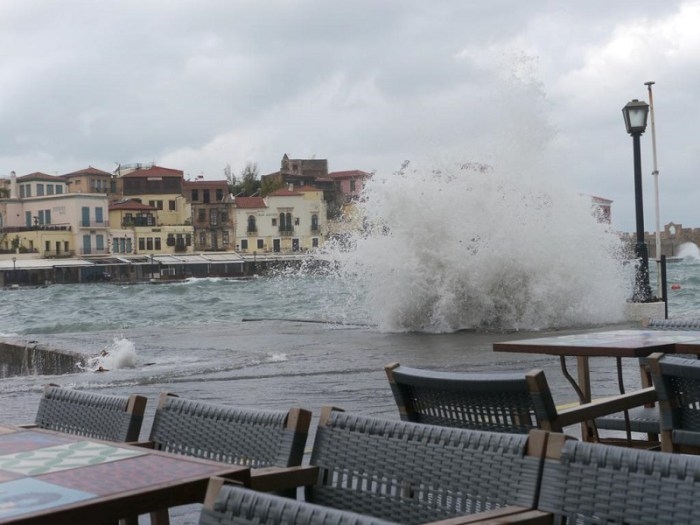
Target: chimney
{"x": 13, "y": 185}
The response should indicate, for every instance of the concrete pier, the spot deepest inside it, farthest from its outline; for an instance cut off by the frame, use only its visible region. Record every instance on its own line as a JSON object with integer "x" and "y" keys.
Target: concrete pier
{"x": 19, "y": 358}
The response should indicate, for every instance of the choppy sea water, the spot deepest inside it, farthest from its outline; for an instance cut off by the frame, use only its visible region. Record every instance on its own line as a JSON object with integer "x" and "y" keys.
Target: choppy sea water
{"x": 265, "y": 342}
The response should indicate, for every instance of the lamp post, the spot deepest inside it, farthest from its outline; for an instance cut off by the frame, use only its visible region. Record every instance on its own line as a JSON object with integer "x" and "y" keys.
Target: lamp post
{"x": 14, "y": 270}
{"x": 635, "y": 114}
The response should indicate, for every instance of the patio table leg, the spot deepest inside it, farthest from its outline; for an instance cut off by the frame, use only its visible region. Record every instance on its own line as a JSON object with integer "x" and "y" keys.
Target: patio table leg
{"x": 582, "y": 387}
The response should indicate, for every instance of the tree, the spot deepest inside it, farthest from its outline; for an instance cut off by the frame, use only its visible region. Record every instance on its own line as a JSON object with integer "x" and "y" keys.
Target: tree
{"x": 249, "y": 181}
{"x": 269, "y": 185}
{"x": 230, "y": 178}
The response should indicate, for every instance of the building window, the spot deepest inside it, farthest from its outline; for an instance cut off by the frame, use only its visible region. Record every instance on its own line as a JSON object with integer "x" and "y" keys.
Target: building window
{"x": 251, "y": 224}
{"x": 213, "y": 216}
{"x": 261, "y": 244}
{"x": 296, "y": 221}
{"x": 157, "y": 240}
{"x": 314, "y": 222}
{"x": 314, "y": 242}
{"x": 49, "y": 189}
{"x": 115, "y": 245}
{"x": 219, "y": 195}
{"x": 205, "y": 196}
{"x": 39, "y": 190}
{"x": 47, "y": 216}
{"x": 195, "y": 195}
{"x": 98, "y": 215}
{"x": 100, "y": 242}
{"x": 352, "y": 185}
{"x": 202, "y": 238}
{"x": 59, "y": 189}
{"x": 244, "y": 245}
{"x": 171, "y": 205}
{"x": 224, "y": 238}
{"x": 29, "y": 190}
{"x": 142, "y": 244}
{"x": 149, "y": 243}
{"x": 201, "y": 215}
{"x": 274, "y": 221}
{"x": 21, "y": 191}
{"x": 224, "y": 217}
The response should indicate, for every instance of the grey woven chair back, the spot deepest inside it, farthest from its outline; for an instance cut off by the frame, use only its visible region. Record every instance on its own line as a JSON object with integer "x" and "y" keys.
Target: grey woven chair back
{"x": 677, "y": 383}
{"x": 673, "y": 324}
{"x": 498, "y": 402}
{"x": 254, "y": 438}
{"x": 97, "y": 416}
{"x": 596, "y": 483}
{"x": 415, "y": 473}
{"x": 237, "y": 505}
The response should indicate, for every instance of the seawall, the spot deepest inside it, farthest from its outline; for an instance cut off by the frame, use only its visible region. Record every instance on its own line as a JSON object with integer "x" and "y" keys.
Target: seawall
{"x": 19, "y": 358}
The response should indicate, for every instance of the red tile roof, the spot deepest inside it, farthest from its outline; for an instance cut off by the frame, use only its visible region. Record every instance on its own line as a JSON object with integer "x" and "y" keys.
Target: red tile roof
{"x": 204, "y": 184}
{"x": 130, "y": 204}
{"x": 154, "y": 171}
{"x": 37, "y": 175}
{"x": 249, "y": 202}
{"x": 87, "y": 171}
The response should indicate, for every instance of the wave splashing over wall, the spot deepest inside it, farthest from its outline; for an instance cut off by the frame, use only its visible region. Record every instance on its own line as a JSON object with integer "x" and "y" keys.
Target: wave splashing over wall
{"x": 473, "y": 248}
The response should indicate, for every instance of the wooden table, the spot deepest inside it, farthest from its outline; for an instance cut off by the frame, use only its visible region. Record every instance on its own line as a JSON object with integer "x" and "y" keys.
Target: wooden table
{"x": 49, "y": 477}
{"x": 615, "y": 343}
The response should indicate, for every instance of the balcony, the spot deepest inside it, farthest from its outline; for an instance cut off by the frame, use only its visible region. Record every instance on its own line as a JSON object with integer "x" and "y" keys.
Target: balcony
{"x": 287, "y": 231}
{"x": 94, "y": 224}
{"x": 139, "y": 221}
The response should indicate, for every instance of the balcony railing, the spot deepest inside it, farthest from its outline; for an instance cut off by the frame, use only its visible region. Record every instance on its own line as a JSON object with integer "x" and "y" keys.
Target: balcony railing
{"x": 94, "y": 224}
{"x": 139, "y": 221}
{"x": 287, "y": 231}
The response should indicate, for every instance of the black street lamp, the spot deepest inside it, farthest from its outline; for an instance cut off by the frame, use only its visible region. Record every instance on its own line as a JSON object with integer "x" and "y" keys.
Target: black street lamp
{"x": 635, "y": 114}
{"x": 14, "y": 270}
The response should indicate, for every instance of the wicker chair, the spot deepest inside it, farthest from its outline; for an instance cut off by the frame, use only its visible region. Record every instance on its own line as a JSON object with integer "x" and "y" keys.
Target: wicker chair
{"x": 587, "y": 483}
{"x": 97, "y": 416}
{"x": 646, "y": 419}
{"x": 677, "y": 381}
{"x": 253, "y": 438}
{"x": 413, "y": 473}
{"x": 233, "y": 505}
{"x": 497, "y": 402}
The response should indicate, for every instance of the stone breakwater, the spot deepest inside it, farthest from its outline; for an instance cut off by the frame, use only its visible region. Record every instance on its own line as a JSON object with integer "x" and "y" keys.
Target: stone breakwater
{"x": 18, "y": 358}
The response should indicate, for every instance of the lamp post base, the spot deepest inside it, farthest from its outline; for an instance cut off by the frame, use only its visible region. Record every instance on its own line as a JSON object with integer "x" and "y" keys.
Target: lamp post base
{"x": 643, "y": 311}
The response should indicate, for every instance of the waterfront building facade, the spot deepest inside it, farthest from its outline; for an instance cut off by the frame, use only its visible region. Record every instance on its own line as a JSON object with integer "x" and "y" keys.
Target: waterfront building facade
{"x": 213, "y": 215}
{"x": 89, "y": 180}
{"x": 286, "y": 221}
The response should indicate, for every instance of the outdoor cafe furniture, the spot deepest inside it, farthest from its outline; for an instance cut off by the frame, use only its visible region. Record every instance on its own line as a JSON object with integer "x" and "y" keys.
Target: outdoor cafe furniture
{"x": 498, "y": 402}
{"x": 677, "y": 381}
{"x": 414, "y": 473}
{"x": 231, "y": 504}
{"x": 258, "y": 439}
{"x": 646, "y": 419}
{"x": 619, "y": 344}
{"x": 590, "y": 483}
{"x": 49, "y": 477}
{"x": 98, "y": 416}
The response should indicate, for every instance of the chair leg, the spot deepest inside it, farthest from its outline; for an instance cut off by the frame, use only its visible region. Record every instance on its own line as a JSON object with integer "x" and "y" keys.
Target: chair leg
{"x": 160, "y": 517}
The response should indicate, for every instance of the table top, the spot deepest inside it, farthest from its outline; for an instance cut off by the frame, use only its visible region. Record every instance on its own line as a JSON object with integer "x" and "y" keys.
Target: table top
{"x": 614, "y": 343}
{"x": 50, "y": 477}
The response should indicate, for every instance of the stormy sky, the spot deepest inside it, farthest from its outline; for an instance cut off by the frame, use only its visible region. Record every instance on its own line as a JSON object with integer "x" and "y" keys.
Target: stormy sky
{"x": 366, "y": 84}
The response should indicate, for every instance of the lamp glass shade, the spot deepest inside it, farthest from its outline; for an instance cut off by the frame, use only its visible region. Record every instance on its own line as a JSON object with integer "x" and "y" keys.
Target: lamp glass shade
{"x": 635, "y": 114}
